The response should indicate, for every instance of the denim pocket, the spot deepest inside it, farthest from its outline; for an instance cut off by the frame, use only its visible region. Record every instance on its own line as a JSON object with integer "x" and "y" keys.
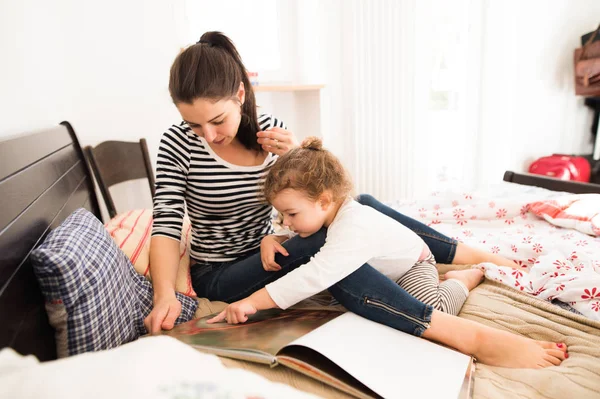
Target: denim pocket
{"x": 199, "y": 269}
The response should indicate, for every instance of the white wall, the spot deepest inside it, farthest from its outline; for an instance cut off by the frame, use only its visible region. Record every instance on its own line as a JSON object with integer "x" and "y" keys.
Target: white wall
{"x": 528, "y": 105}
{"x": 104, "y": 67}
{"x": 519, "y": 104}
{"x": 101, "y": 65}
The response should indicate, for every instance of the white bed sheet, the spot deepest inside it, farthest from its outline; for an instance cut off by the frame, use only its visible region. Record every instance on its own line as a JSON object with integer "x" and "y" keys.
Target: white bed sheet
{"x": 556, "y": 263}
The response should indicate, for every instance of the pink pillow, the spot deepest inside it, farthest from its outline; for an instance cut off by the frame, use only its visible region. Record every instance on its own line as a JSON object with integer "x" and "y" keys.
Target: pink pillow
{"x": 131, "y": 232}
{"x": 577, "y": 211}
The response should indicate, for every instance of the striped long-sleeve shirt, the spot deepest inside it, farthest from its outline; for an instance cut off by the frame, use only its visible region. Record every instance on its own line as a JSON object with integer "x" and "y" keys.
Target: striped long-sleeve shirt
{"x": 224, "y": 201}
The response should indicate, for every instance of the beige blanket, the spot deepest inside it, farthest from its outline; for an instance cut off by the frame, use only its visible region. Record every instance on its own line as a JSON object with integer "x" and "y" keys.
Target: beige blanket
{"x": 502, "y": 307}
{"x": 577, "y": 377}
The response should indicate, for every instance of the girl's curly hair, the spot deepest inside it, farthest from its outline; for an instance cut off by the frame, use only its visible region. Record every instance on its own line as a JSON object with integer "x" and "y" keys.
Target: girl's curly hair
{"x": 311, "y": 169}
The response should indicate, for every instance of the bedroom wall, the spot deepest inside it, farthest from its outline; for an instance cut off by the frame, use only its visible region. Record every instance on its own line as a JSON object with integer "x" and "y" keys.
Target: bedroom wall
{"x": 101, "y": 65}
{"x": 519, "y": 103}
{"x": 528, "y": 108}
{"x": 104, "y": 66}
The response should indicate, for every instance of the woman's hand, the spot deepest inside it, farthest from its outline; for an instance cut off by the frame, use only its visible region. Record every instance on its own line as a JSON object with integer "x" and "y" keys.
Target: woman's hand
{"x": 163, "y": 315}
{"x": 277, "y": 140}
{"x": 269, "y": 246}
{"x": 235, "y": 313}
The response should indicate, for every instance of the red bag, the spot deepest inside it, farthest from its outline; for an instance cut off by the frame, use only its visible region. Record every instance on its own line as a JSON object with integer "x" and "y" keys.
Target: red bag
{"x": 563, "y": 167}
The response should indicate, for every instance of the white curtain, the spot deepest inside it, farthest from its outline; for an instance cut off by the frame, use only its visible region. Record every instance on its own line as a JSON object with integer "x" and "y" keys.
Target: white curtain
{"x": 454, "y": 93}
{"x": 379, "y": 74}
{"x": 408, "y": 71}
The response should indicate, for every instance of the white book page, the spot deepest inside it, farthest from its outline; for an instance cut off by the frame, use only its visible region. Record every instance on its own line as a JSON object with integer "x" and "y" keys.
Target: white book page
{"x": 390, "y": 362}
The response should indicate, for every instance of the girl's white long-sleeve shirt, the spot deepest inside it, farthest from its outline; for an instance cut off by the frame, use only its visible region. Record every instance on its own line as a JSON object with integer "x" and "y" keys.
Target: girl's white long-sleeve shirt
{"x": 358, "y": 234}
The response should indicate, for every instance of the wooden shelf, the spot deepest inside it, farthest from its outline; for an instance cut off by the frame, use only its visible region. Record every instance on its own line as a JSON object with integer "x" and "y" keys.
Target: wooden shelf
{"x": 291, "y": 87}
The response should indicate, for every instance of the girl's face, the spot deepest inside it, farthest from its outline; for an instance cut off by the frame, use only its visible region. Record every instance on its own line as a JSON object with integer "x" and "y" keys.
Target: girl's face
{"x": 216, "y": 121}
{"x": 301, "y": 214}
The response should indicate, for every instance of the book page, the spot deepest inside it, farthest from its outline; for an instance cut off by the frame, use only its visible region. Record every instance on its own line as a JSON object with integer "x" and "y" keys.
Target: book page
{"x": 313, "y": 364}
{"x": 258, "y": 340}
{"x": 388, "y": 361}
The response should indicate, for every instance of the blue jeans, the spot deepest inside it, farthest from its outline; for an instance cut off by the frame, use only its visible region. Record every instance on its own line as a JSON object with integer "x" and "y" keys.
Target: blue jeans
{"x": 365, "y": 292}
{"x": 235, "y": 280}
{"x": 443, "y": 248}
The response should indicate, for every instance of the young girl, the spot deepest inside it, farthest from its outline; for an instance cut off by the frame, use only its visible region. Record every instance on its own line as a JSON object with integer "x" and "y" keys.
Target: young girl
{"x": 310, "y": 188}
{"x": 356, "y": 234}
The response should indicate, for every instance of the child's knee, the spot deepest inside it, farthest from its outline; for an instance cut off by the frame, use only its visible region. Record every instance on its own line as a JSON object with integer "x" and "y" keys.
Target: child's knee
{"x": 366, "y": 199}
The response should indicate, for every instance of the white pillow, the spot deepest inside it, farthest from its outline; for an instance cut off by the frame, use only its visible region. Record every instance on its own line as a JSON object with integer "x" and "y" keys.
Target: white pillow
{"x": 578, "y": 211}
{"x": 153, "y": 367}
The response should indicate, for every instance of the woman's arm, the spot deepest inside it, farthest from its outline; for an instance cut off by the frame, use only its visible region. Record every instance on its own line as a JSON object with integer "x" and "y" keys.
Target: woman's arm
{"x": 164, "y": 258}
{"x": 274, "y": 136}
{"x": 168, "y": 213}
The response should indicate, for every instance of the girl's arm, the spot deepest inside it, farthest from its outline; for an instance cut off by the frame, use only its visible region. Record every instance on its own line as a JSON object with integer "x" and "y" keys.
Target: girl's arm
{"x": 347, "y": 248}
{"x": 349, "y": 245}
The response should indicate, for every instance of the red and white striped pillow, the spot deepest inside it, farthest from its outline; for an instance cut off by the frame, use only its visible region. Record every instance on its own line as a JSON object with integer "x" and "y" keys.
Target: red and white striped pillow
{"x": 577, "y": 211}
{"x": 131, "y": 232}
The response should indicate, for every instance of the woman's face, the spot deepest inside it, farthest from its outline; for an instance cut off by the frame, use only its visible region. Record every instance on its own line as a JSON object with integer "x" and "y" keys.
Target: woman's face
{"x": 216, "y": 121}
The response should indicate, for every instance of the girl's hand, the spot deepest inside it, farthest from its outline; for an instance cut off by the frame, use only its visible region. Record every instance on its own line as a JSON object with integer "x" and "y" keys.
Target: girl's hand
{"x": 269, "y": 246}
{"x": 277, "y": 140}
{"x": 235, "y": 313}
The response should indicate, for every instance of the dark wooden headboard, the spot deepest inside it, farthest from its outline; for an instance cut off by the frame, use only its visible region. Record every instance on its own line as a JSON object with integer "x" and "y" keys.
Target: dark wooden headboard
{"x": 43, "y": 178}
{"x": 550, "y": 183}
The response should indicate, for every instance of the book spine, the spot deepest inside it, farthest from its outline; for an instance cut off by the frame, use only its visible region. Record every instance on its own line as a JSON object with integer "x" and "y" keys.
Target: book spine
{"x": 249, "y": 356}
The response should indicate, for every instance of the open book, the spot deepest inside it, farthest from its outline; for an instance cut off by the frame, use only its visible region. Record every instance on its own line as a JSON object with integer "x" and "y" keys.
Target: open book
{"x": 353, "y": 354}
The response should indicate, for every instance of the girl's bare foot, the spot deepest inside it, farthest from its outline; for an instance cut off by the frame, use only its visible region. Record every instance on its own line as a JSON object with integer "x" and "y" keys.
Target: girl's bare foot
{"x": 504, "y": 349}
{"x": 470, "y": 277}
{"x": 492, "y": 346}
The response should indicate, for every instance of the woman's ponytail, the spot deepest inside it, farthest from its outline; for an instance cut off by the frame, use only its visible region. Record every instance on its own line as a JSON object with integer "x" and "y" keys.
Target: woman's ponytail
{"x": 213, "y": 68}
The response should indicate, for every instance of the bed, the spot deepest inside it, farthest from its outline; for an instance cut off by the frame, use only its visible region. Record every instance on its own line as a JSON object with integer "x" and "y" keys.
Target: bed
{"x": 44, "y": 177}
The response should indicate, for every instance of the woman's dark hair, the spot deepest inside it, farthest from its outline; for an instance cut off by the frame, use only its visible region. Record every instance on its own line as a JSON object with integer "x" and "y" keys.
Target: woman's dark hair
{"x": 213, "y": 69}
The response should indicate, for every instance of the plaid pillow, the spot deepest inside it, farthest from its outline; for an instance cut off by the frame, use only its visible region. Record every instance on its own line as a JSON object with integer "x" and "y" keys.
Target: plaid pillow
{"x": 94, "y": 297}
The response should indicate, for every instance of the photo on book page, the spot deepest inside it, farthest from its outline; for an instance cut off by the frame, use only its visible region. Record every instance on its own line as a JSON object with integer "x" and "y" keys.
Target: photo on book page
{"x": 267, "y": 331}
